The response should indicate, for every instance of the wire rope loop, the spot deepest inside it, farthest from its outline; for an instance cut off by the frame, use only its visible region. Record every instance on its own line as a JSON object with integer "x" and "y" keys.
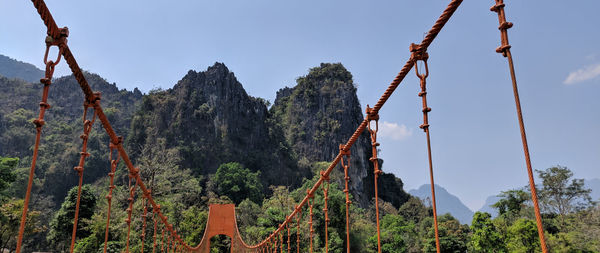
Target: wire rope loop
{"x": 419, "y": 53}
{"x": 49, "y": 72}
{"x": 59, "y": 42}
{"x": 58, "y": 57}
{"x": 371, "y": 116}
{"x": 422, "y": 76}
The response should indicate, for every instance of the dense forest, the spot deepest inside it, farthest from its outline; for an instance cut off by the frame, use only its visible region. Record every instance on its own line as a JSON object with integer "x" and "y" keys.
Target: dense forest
{"x": 207, "y": 141}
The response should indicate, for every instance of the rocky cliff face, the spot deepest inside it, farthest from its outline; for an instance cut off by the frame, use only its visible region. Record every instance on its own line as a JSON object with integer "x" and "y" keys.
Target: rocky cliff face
{"x": 210, "y": 119}
{"x": 323, "y": 111}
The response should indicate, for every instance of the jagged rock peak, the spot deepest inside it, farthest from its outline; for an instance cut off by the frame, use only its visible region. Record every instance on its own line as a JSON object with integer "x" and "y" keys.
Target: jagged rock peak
{"x": 216, "y": 75}
{"x": 217, "y": 69}
{"x": 211, "y": 120}
{"x": 329, "y": 71}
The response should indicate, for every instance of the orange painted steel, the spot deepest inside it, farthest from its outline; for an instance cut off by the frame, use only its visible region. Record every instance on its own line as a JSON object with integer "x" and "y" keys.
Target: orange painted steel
{"x": 310, "y": 222}
{"x": 111, "y": 175}
{"x": 420, "y": 54}
{"x": 325, "y": 210}
{"x": 155, "y": 229}
{"x": 65, "y": 51}
{"x": 289, "y": 246}
{"x": 87, "y": 128}
{"x": 504, "y": 49}
{"x": 162, "y": 239}
{"x": 131, "y": 199}
{"x": 376, "y": 171}
{"x": 221, "y": 221}
{"x": 144, "y": 215}
{"x": 298, "y": 216}
{"x": 59, "y": 39}
{"x": 345, "y": 162}
{"x": 168, "y": 242}
{"x": 280, "y": 243}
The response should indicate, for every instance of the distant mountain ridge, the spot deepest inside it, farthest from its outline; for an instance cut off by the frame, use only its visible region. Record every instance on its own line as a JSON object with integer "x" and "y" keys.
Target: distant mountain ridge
{"x": 487, "y": 206}
{"x": 446, "y": 202}
{"x": 12, "y": 68}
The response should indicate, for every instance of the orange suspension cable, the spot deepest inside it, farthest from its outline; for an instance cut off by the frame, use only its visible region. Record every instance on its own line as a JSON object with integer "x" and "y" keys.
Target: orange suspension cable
{"x": 419, "y": 54}
{"x": 298, "y": 214}
{"x": 504, "y": 49}
{"x": 371, "y": 116}
{"x": 281, "y": 242}
{"x": 325, "y": 211}
{"x": 154, "y": 211}
{"x": 346, "y": 164}
{"x": 288, "y": 238}
{"x": 58, "y": 39}
{"x": 162, "y": 239}
{"x": 132, "y": 175}
{"x": 169, "y": 243}
{"x": 310, "y": 222}
{"x": 172, "y": 246}
{"x": 111, "y": 175}
{"x": 174, "y": 241}
{"x": 87, "y": 128}
{"x": 144, "y": 215}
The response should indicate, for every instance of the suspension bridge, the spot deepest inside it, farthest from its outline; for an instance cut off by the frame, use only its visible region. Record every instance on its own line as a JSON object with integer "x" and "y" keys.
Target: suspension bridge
{"x": 222, "y": 218}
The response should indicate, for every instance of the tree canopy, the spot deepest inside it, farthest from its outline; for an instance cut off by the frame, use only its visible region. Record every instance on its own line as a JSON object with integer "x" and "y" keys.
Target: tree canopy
{"x": 238, "y": 183}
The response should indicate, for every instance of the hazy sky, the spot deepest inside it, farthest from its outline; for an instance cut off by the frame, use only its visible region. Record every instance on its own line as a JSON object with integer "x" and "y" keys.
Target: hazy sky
{"x": 268, "y": 44}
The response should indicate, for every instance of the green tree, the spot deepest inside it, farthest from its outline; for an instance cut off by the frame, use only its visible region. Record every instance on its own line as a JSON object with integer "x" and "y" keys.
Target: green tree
{"x": 193, "y": 224}
{"x": 453, "y": 235}
{"x": 247, "y": 212}
{"x": 361, "y": 229}
{"x": 512, "y": 201}
{"x": 238, "y": 183}
{"x": 61, "y": 225}
{"x": 394, "y": 230}
{"x": 562, "y": 194}
{"x": 485, "y": 237}
{"x": 522, "y": 236}
{"x": 10, "y": 219}
{"x": 413, "y": 210}
{"x": 7, "y": 176}
{"x": 14, "y": 139}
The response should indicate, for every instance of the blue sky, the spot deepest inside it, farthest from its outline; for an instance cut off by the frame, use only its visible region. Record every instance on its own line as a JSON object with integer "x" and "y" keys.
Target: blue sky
{"x": 268, "y": 44}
